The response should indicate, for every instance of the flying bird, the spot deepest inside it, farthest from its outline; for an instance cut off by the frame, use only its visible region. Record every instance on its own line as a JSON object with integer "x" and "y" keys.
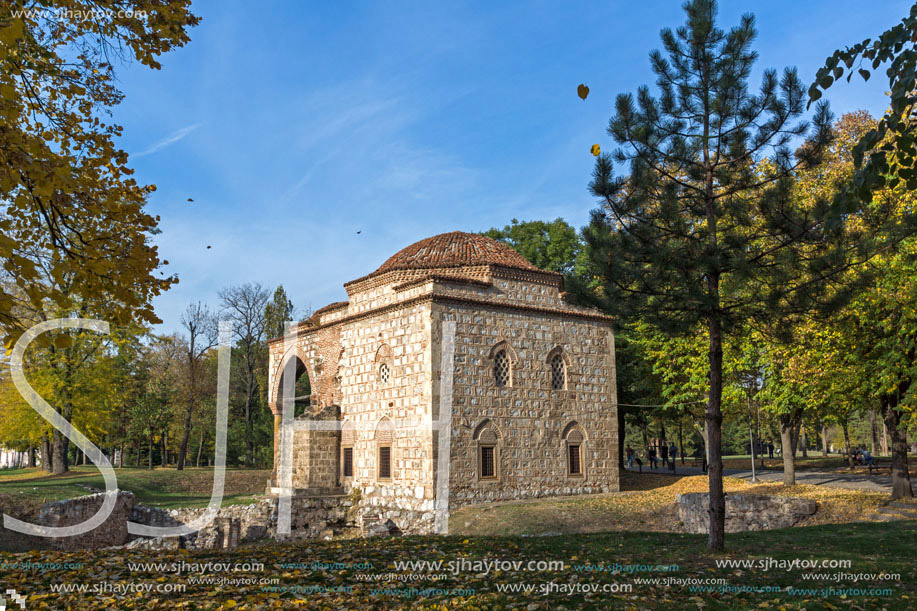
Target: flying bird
{"x": 208, "y": 246}
{"x": 190, "y": 200}
{"x": 358, "y": 233}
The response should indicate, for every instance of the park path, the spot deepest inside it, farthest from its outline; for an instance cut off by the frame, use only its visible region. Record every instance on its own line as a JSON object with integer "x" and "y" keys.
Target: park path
{"x": 856, "y": 481}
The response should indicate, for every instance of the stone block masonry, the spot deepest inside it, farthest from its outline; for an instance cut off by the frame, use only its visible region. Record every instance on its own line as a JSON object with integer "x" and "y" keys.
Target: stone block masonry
{"x": 743, "y": 512}
{"x": 113, "y": 531}
{"x": 548, "y": 428}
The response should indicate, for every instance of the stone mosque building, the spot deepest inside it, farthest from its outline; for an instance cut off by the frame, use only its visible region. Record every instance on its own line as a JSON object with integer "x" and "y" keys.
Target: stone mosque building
{"x": 458, "y": 327}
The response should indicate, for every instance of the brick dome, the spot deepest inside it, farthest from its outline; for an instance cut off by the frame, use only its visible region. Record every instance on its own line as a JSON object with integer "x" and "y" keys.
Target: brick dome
{"x": 455, "y": 249}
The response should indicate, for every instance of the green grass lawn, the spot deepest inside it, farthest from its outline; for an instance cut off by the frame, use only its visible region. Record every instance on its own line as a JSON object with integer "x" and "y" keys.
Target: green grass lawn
{"x": 165, "y": 488}
{"x": 367, "y": 578}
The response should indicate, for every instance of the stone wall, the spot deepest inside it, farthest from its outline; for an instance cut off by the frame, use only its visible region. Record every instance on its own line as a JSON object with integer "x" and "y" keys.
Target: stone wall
{"x": 393, "y": 412}
{"x": 316, "y": 452}
{"x": 396, "y": 319}
{"x": 319, "y": 516}
{"x": 531, "y": 420}
{"x": 113, "y": 531}
{"x": 743, "y": 512}
{"x": 322, "y": 516}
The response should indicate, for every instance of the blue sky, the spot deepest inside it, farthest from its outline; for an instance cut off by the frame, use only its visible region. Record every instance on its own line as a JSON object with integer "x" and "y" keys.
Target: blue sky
{"x": 294, "y": 125}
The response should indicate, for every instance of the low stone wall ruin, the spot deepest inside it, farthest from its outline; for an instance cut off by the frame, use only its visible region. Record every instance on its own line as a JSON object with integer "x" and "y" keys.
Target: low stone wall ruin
{"x": 113, "y": 531}
{"x": 743, "y": 512}
{"x": 311, "y": 517}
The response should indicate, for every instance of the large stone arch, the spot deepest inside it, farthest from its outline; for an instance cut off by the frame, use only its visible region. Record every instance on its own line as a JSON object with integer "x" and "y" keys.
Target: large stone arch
{"x": 295, "y": 352}
{"x": 275, "y": 402}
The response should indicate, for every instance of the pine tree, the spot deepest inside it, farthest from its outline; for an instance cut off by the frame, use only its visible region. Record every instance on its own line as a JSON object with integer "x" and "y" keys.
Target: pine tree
{"x": 706, "y": 228}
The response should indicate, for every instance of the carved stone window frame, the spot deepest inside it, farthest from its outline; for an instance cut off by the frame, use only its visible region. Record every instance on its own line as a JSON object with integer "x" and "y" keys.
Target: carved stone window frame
{"x": 503, "y": 348}
{"x": 348, "y": 441}
{"x": 574, "y": 436}
{"x": 383, "y": 367}
{"x": 487, "y": 435}
{"x": 385, "y": 438}
{"x": 555, "y": 354}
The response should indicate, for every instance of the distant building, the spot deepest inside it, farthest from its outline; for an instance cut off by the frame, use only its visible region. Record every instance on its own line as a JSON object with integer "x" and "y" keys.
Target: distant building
{"x": 13, "y": 459}
{"x": 533, "y": 399}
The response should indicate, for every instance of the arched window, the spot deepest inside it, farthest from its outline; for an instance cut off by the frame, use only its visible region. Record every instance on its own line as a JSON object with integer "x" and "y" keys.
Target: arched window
{"x": 488, "y": 439}
{"x": 383, "y": 364}
{"x": 575, "y": 450}
{"x": 502, "y": 369}
{"x": 558, "y": 373}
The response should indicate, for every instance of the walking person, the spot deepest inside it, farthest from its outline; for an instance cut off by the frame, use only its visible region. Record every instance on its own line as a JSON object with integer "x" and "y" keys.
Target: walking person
{"x": 630, "y": 457}
{"x": 664, "y": 454}
{"x": 673, "y": 454}
{"x": 651, "y": 456}
{"x": 770, "y": 448}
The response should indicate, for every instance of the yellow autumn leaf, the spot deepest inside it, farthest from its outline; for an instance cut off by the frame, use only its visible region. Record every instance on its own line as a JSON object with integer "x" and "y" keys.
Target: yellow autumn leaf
{"x": 596, "y": 150}
{"x": 582, "y": 91}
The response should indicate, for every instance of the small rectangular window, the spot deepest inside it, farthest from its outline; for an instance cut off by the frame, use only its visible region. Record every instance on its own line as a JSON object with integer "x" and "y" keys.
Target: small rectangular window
{"x": 348, "y": 462}
{"x": 576, "y": 466}
{"x": 385, "y": 462}
{"x": 488, "y": 464}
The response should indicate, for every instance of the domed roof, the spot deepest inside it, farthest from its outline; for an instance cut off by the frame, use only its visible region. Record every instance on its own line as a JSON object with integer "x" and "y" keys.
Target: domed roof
{"x": 455, "y": 249}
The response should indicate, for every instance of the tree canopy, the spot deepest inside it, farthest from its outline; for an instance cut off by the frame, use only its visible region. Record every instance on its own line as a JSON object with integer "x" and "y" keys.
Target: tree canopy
{"x": 65, "y": 186}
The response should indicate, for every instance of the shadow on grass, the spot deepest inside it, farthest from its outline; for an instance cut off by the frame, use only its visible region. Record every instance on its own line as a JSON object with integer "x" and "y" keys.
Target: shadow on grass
{"x": 647, "y": 480}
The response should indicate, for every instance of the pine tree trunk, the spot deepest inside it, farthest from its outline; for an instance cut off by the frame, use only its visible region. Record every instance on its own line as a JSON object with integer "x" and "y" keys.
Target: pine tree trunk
{"x": 165, "y": 455}
{"x": 824, "y": 439}
{"x": 149, "y": 458}
{"x": 714, "y": 421}
{"x": 901, "y": 479}
{"x": 31, "y": 456}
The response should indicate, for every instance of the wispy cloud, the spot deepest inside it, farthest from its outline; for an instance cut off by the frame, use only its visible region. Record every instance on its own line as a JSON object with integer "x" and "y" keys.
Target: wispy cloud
{"x": 168, "y": 140}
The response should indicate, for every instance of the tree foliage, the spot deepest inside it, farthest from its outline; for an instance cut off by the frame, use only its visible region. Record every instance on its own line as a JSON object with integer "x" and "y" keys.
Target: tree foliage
{"x": 705, "y": 228}
{"x": 886, "y": 154}
{"x": 65, "y": 186}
